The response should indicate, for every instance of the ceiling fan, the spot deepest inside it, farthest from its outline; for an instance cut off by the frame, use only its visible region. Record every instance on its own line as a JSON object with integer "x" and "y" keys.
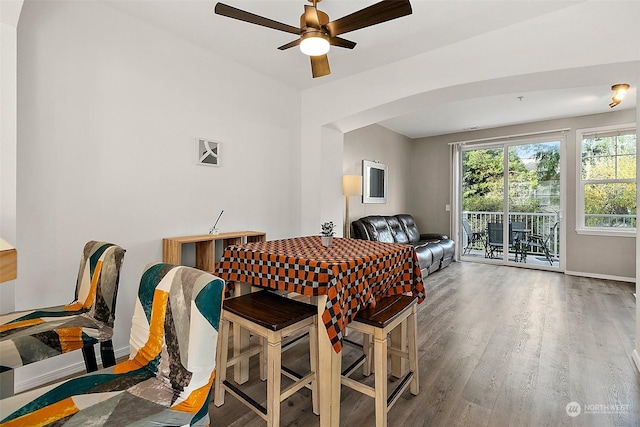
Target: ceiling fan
{"x": 316, "y": 33}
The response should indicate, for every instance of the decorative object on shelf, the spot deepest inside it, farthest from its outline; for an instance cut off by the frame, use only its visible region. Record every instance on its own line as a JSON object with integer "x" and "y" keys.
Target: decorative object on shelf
{"x": 214, "y": 230}
{"x": 327, "y": 233}
{"x": 207, "y": 152}
{"x": 351, "y": 186}
{"x": 374, "y": 182}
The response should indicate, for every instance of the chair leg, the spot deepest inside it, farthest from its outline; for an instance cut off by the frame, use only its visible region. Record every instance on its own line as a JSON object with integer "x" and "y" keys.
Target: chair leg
{"x": 380, "y": 359}
{"x": 6, "y": 384}
{"x": 313, "y": 361}
{"x": 399, "y": 341}
{"x": 107, "y": 354}
{"x": 274, "y": 354}
{"x": 367, "y": 348}
{"x": 241, "y": 342}
{"x": 89, "y": 355}
{"x": 221, "y": 362}
{"x": 412, "y": 331}
{"x": 263, "y": 359}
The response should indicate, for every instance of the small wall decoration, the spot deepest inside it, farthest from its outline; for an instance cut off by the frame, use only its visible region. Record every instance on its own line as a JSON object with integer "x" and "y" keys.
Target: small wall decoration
{"x": 375, "y": 182}
{"x": 207, "y": 152}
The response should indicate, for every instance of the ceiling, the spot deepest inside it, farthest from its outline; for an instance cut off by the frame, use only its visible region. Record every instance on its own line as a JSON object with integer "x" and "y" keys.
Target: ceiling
{"x": 432, "y": 25}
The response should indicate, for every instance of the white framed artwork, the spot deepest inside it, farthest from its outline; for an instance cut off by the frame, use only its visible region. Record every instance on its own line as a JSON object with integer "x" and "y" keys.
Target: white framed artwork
{"x": 374, "y": 182}
{"x": 207, "y": 152}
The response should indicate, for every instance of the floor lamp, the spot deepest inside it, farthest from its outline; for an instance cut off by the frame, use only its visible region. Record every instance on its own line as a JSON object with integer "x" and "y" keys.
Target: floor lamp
{"x": 351, "y": 186}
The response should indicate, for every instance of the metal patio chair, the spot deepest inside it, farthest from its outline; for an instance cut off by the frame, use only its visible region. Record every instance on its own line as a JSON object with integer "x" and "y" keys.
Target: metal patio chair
{"x": 495, "y": 240}
{"x": 473, "y": 237}
{"x": 540, "y": 243}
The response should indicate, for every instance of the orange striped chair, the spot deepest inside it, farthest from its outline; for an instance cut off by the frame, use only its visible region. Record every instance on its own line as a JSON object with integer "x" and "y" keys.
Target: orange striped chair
{"x": 33, "y": 335}
{"x": 169, "y": 375}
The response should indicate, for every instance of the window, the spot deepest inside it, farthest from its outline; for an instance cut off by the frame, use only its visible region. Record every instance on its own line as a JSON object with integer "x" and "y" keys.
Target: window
{"x": 607, "y": 181}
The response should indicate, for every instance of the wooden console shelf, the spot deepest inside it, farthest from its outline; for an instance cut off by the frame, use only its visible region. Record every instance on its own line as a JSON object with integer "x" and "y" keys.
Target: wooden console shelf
{"x": 206, "y": 246}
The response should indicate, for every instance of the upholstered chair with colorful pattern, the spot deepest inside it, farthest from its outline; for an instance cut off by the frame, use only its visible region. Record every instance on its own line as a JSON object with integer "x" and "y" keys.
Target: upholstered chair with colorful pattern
{"x": 168, "y": 377}
{"x": 33, "y": 335}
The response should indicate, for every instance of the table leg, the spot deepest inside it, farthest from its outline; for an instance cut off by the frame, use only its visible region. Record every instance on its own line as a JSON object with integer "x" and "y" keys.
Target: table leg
{"x": 241, "y": 341}
{"x": 329, "y": 364}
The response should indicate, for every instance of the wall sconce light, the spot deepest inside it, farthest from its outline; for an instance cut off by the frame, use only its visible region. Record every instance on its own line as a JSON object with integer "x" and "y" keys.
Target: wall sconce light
{"x": 351, "y": 186}
{"x": 619, "y": 91}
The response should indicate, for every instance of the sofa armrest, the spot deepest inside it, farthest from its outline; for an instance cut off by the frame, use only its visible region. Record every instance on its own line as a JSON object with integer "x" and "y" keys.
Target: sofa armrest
{"x": 433, "y": 236}
{"x": 359, "y": 231}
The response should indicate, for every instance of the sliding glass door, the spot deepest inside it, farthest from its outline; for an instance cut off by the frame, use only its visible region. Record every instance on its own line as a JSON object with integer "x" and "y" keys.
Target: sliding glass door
{"x": 519, "y": 226}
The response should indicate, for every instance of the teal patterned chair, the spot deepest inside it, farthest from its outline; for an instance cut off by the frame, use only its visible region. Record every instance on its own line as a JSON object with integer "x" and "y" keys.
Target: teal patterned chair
{"x": 168, "y": 377}
{"x": 33, "y": 335}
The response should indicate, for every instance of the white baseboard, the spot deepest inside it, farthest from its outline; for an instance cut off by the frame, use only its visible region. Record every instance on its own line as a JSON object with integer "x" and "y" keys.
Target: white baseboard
{"x": 636, "y": 358}
{"x": 601, "y": 276}
{"x": 63, "y": 372}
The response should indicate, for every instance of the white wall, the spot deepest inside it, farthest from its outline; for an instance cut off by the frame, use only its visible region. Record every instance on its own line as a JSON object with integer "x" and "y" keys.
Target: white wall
{"x": 376, "y": 142}
{"x": 108, "y": 112}
{"x": 430, "y": 186}
{"x": 9, "y": 15}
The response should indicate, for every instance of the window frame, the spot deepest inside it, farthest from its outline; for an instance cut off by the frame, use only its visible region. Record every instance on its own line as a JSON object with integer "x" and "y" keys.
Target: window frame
{"x": 581, "y": 228}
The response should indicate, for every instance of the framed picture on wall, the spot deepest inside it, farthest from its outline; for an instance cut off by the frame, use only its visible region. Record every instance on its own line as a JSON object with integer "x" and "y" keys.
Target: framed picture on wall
{"x": 207, "y": 152}
{"x": 375, "y": 177}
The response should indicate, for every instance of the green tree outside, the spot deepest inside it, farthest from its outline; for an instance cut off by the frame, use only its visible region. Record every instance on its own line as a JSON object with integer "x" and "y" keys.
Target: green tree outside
{"x": 609, "y": 167}
{"x": 534, "y": 176}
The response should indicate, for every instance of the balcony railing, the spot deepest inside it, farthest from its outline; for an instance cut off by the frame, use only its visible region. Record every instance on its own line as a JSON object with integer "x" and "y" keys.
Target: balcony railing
{"x": 536, "y": 222}
{"x": 605, "y": 220}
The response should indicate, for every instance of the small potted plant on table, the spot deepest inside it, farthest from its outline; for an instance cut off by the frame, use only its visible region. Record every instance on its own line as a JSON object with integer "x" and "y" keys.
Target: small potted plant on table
{"x": 327, "y": 233}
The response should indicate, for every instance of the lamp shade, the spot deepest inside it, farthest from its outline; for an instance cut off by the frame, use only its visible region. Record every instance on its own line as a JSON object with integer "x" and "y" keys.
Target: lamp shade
{"x": 352, "y": 185}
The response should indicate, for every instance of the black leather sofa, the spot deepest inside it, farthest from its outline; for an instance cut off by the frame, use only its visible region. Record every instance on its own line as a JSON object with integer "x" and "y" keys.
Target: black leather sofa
{"x": 435, "y": 251}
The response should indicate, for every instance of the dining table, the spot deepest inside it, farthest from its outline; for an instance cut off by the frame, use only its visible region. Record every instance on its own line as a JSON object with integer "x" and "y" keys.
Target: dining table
{"x": 341, "y": 279}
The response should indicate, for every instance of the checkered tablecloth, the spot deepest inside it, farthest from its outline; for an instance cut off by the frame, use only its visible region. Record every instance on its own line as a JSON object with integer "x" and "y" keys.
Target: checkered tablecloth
{"x": 351, "y": 272}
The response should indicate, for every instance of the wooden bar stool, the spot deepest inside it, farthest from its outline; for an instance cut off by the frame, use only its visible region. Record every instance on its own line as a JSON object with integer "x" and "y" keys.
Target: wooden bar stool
{"x": 377, "y": 322}
{"x": 271, "y": 317}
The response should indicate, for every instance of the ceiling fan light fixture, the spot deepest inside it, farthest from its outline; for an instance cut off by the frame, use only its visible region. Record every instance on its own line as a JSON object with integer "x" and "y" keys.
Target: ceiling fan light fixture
{"x": 314, "y": 43}
{"x": 619, "y": 91}
{"x": 316, "y": 34}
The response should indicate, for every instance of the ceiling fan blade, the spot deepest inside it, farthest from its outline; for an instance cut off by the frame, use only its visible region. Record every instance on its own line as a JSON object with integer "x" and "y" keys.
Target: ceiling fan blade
{"x": 320, "y": 66}
{"x": 311, "y": 16}
{"x": 383, "y": 11}
{"x": 232, "y": 12}
{"x": 290, "y": 45}
{"x": 340, "y": 42}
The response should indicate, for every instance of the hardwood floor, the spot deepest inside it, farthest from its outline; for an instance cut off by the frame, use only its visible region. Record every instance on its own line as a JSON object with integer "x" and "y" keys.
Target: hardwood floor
{"x": 498, "y": 346}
